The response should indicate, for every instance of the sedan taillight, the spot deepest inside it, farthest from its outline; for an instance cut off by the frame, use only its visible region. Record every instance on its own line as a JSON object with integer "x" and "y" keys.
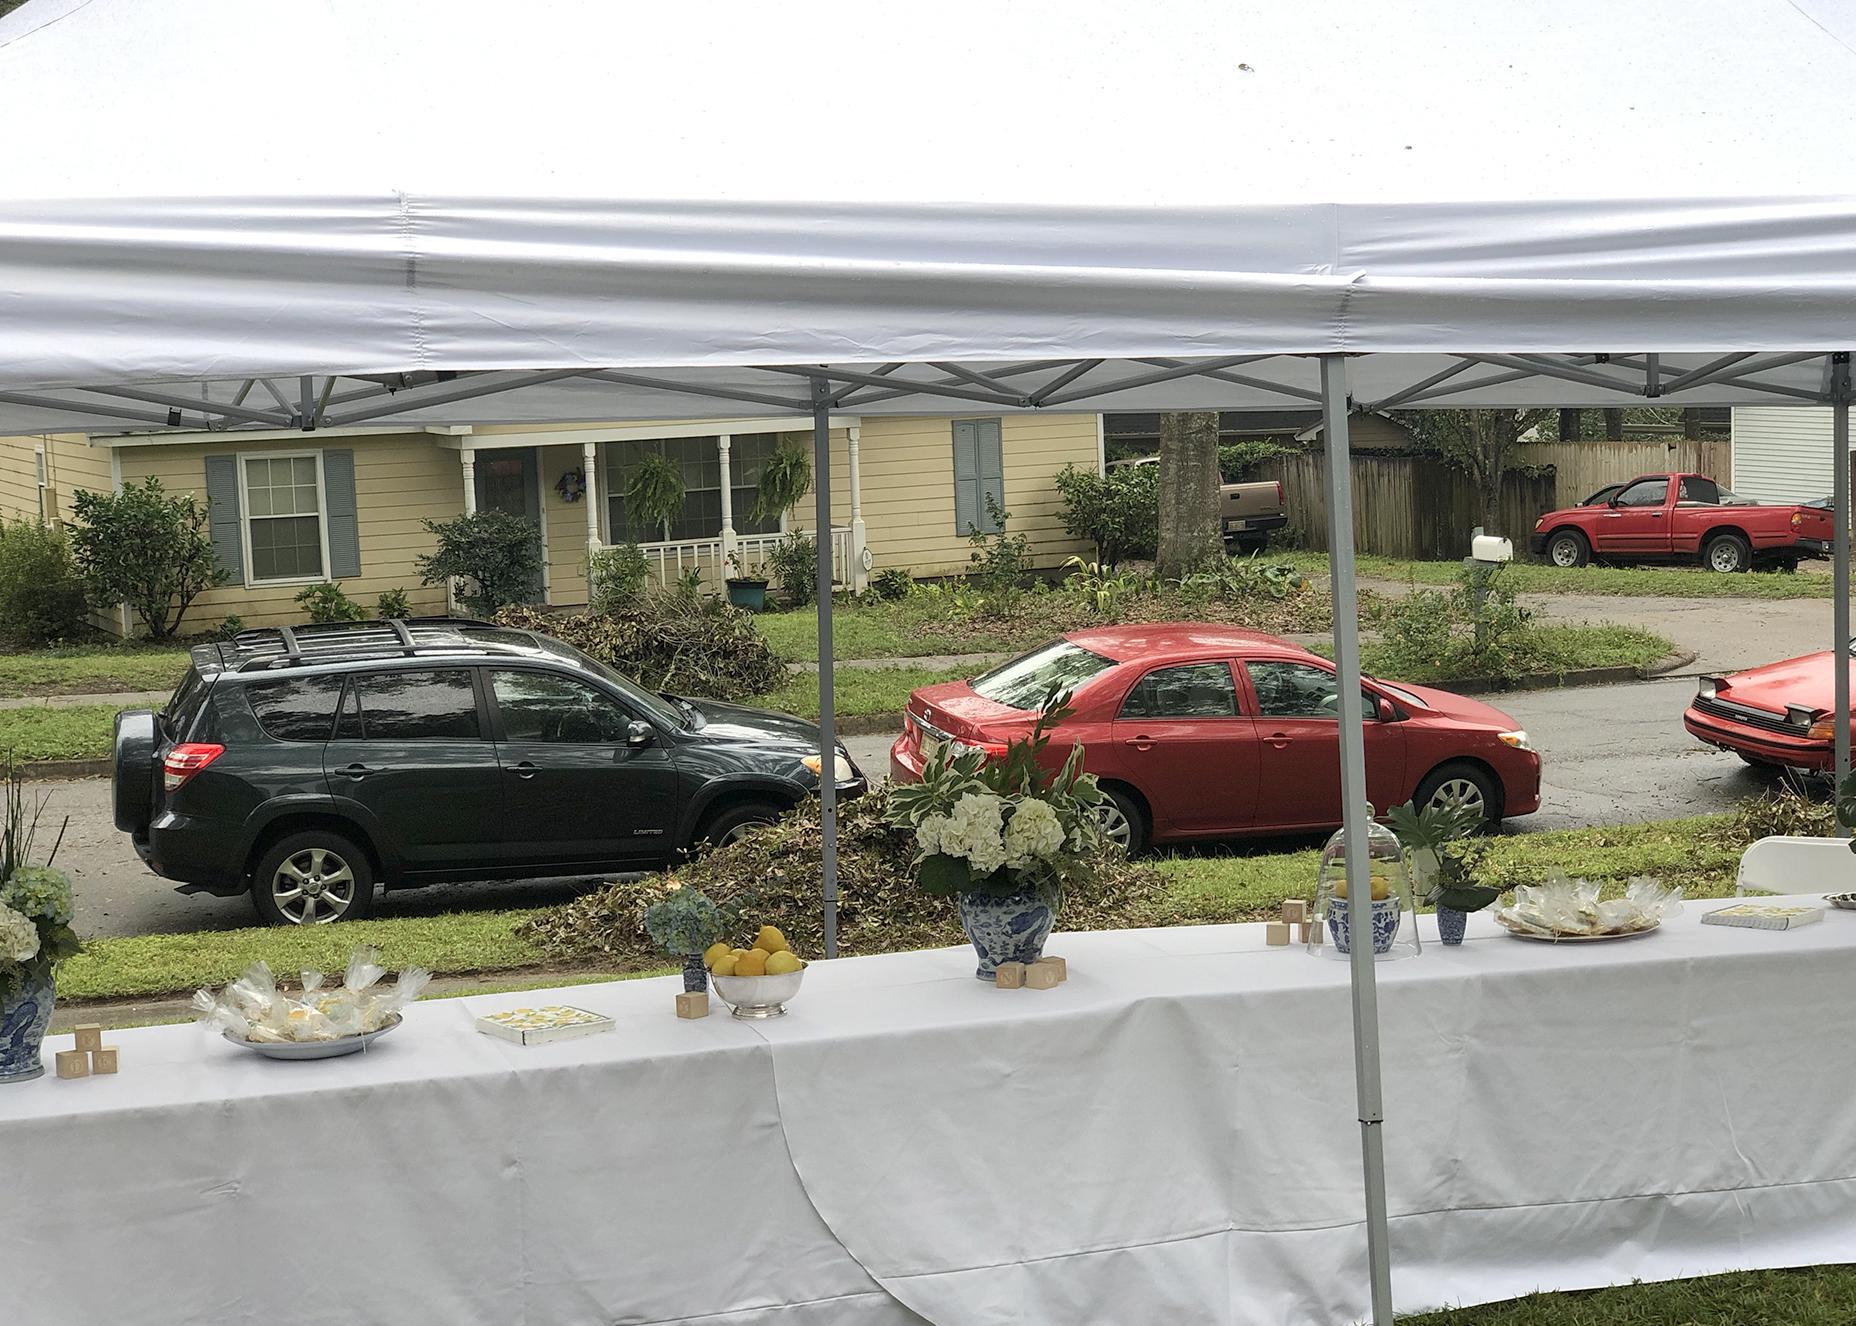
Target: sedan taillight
{"x": 185, "y": 760}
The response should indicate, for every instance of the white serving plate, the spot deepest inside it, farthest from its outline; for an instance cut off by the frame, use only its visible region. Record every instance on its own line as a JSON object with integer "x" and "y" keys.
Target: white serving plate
{"x": 1576, "y": 939}
{"x": 316, "y": 1049}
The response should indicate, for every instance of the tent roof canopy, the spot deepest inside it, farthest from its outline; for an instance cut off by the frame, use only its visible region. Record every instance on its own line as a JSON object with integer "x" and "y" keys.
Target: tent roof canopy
{"x": 616, "y": 212}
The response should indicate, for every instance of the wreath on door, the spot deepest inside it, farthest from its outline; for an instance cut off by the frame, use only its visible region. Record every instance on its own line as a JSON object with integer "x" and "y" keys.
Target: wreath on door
{"x": 571, "y": 486}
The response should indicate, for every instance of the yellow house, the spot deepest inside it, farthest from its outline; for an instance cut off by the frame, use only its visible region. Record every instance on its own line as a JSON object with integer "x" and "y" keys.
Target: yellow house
{"x": 290, "y": 509}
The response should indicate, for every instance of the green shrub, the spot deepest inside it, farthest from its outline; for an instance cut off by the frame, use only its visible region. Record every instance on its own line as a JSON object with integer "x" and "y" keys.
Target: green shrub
{"x": 892, "y": 583}
{"x": 669, "y": 641}
{"x": 1119, "y": 512}
{"x": 1000, "y": 561}
{"x": 326, "y": 603}
{"x": 1457, "y": 632}
{"x": 229, "y": 628}
{"x": 393, "y": 603}
{"x": 1239, "y": 462}
{"x": 617, "y": 576}
{"x": 41, "y": 597}
{"x": 494, "y": 557}
{"x": 147, "y": 549}
{"x": 794, "y": 562}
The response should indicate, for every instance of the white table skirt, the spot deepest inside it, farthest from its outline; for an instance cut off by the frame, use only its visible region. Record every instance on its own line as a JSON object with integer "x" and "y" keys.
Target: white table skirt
{"x": 1168, "y": 1136}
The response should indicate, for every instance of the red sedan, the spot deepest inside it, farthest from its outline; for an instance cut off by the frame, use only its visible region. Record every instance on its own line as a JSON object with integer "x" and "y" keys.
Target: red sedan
{"x": 1779, "y": 714}
{"x": 1203, "y": 731}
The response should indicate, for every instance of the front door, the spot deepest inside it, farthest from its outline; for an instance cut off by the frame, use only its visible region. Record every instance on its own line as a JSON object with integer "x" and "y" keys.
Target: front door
{"x": 410, "y": 751}
{"x": 1183, "y": 740}
{"x": 509, "y": 480}
{"x": 1636, "y": 522}
{"x": 576, "y": 792}
{"x": 1298, "y": 747}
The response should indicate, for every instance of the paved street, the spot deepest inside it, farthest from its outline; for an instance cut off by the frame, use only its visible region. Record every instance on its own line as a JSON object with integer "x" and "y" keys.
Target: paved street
{"x": 1613, "y": 754}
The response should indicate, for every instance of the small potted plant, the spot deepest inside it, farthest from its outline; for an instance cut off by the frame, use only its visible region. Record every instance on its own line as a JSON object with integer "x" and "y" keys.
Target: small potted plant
{"x": 1005, "y": 837}
{"x": 684, "y": 923}
{"x": 744, "y": 590}
{"x": 35, "y": 936}
{"x": 1444, "y": 859}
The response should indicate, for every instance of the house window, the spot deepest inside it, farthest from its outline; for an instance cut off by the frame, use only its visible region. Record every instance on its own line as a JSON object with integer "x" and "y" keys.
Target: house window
{"x": 283, "y": 516}
{"x": 699, "y": 460}
{"x": 979, "y": 475}
{"x": 38, "y": 461}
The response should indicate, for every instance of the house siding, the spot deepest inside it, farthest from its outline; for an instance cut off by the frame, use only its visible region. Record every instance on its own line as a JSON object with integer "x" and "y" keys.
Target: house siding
{"x": 1782, "y": 454}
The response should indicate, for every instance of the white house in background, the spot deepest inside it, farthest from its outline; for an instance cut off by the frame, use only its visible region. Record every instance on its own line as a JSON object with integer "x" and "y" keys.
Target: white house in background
{"x": 1782, "y": 453}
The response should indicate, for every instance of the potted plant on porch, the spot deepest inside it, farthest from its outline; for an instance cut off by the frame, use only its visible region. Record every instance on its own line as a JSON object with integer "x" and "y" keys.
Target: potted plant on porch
{"x": 35, "y": 936}
{"x": 744, "y": 590}
{"x": 1005, "y": 837}
{"x": 785, "y": 477}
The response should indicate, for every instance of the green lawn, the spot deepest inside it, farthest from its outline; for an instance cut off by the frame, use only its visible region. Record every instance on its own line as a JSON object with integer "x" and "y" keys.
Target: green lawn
{"x": 1566, "y": 649}
{"x": 905, "y": 628}
{"x": 37, "y": 732}
{"x": 90, "y": 669}
{"x": 1811, "y": 1296}
{"x": 1536, "y": 578}
{"x": 857, "y": 692}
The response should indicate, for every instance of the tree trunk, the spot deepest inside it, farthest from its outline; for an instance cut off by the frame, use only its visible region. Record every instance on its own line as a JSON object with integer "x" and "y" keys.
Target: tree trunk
{"x": 1614, "y": 425}
{"x": 1569, "y": 425}
{"x": 1691, "y": 423}
{"x": 1190, "y": 538}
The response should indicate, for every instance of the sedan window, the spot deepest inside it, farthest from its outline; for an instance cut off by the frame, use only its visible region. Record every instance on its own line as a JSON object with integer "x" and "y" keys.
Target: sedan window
{"x": 540, "y": 706}
{"x": 1025, "y": 681}
{"x": 1191, "y": 690}
{"x": 1300, "y": 690}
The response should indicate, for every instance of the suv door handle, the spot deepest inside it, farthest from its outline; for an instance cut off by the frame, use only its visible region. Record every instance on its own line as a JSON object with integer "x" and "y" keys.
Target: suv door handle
{"x": 525, "y": 769}
{"x": 1280, "y": 740}
{"x": 1139, "y": 743}
{"x": 359, "y": 771}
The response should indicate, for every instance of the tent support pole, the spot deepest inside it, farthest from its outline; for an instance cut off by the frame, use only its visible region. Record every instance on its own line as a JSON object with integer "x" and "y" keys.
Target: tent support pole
{"x": 827, "y": 720}
{"x": 1840, "y": 487}
{"x": 1356, "y": 815}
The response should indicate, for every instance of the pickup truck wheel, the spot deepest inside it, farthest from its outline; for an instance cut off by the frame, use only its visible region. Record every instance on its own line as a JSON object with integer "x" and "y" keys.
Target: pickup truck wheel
{"x": 1568, "y": 548}
{"x": 1727, "y": 553}
{"x": 313, "y": 878}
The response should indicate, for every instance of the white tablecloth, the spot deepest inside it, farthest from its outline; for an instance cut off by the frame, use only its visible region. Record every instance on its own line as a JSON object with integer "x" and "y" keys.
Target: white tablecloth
{"x": 1168, "y": 1136}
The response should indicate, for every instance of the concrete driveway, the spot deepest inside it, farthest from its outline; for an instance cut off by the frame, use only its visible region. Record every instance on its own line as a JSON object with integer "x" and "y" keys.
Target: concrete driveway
{"x": 1614, "y": 754}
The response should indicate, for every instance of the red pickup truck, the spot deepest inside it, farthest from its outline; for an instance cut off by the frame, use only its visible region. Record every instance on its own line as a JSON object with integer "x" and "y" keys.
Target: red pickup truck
{"x": 1682, "y": 518}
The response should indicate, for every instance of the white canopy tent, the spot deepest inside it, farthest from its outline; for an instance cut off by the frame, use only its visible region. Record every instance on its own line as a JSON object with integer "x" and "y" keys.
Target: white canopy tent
{"x": 231, "y": 215}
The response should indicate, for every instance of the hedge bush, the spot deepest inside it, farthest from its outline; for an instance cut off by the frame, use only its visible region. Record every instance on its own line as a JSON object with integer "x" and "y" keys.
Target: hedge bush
{"x": 41, "y": 597}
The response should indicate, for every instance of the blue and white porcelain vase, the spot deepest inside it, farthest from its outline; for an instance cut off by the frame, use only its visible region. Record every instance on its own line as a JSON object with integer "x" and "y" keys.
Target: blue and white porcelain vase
{"x": 1386, "y": 915}
{"x": 1010, "y": 927}
{"x": 1451, "y": 922}
{"x": 24, "y": 1016}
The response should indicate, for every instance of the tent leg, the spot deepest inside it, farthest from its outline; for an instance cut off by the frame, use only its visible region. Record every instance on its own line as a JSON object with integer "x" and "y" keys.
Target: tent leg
{"x": 1840, "y": 555}
{"x": 1355, "y": 815}
{"x": 827, "y": 719}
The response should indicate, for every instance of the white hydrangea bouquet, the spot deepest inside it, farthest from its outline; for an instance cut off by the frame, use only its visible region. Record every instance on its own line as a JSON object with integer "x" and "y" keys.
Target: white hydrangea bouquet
{"x": 35, "y": 901}
{"x": 1007, "y": 825}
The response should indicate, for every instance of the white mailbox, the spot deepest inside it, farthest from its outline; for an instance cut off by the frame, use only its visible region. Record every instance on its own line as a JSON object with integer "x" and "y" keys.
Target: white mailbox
{"x": 1490, "y": 548}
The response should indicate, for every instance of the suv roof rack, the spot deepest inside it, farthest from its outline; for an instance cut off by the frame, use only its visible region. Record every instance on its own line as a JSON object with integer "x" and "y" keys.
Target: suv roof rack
{"x": 288, "y": 646}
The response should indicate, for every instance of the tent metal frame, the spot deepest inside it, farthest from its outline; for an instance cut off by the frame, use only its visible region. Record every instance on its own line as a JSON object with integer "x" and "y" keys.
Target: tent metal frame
{"x": 342, "y": 401}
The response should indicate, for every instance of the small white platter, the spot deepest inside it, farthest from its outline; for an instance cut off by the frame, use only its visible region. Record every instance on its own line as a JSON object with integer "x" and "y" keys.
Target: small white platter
{"x": 316, "y": 1049}
{"x": 1575, "y": 939}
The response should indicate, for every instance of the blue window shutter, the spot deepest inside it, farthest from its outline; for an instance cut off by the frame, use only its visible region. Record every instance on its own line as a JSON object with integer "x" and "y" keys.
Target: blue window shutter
{"x": 992, "y": 474}
{"x": 222, "y": 514}
{"x": 344, "y": 523}
{"x": 967, "y": 506}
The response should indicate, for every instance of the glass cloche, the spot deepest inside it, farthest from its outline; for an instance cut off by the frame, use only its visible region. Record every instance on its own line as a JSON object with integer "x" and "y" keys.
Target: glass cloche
{"x": 1394, "y": 914}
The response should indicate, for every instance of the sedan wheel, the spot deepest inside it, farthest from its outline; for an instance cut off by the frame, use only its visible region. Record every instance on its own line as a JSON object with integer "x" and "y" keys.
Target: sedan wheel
{"x": 1463, "y": 783}
{"x": 1122, "y": 822}
{"x": 1461, "y": 792}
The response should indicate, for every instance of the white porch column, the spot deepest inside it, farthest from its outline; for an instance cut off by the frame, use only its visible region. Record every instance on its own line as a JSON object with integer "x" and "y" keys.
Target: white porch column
{"x": 724, "y": 445}
{"x": 467, "y": 458}
{"x": 855, "y": 574}
{"x": 589, "y": 466}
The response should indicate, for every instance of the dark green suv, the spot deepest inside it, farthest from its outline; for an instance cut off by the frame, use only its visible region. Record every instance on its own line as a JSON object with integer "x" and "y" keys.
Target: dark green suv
{"x": 309, "y": 765}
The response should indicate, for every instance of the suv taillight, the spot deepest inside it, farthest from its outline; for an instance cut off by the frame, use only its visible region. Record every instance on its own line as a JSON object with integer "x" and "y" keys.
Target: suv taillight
{"x": 185, "y": 760}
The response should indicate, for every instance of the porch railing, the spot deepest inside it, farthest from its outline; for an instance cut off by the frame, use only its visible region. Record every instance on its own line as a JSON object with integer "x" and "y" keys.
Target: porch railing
{"x": 673, "y": 559}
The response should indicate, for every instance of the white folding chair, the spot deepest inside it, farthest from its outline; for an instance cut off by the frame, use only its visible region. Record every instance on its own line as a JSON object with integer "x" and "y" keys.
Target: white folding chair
{"x": 1797, "y": 865}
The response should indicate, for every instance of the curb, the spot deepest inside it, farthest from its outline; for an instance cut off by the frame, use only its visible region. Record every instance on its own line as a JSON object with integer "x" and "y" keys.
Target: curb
{"x": 1552, "y": 681}
{"x": 37, "y": 769}
{"x": 868, "y": 725}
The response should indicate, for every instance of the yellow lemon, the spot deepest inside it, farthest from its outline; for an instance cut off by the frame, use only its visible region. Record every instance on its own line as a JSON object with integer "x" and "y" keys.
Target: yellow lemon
{"x": 751, "y": 963}
{"x": 1381, "y": 890}
{"x": 724, "y": 965}
{"x": 782, "y": 962}
{"x": 714, "y": 954}
{"x": 770, "y": 940}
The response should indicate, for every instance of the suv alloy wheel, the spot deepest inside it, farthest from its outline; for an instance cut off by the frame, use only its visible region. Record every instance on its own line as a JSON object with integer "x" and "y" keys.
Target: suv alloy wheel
{"x": 313, "y": 878}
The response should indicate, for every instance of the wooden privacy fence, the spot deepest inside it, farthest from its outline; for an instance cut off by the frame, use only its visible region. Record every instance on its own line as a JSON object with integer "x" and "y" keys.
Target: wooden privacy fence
{"x": 1582, "y": 468}
{"x": 1406, "y": 506}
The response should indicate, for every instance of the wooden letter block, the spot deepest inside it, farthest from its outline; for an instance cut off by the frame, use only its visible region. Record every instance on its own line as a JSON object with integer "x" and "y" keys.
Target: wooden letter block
{"x": 73, "y": 1063}
{"x": 89, "y": 1037}
{"x": 1276, "y": 933}
{"x": 103, "y": 1061}
{"x": 1039, "y": 976}
{"x": 1302, "y": 929}
{"x": 1062, "y": 967}
{"x": 693, "y": 1004}
{"x": 1009, "y": 975}
{"x": 1294, "y": 912}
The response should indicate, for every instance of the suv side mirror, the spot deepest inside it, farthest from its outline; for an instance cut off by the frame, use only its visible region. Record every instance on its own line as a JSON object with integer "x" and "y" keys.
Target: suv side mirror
{"x": 639, "y": 733}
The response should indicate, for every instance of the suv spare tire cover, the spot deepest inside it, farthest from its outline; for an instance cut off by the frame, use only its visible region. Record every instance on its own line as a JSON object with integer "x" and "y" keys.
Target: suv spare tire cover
{"x": 132, "y": 779}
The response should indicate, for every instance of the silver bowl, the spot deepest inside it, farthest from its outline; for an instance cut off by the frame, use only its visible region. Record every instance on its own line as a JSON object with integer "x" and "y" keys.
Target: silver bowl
{"x": 316, "y": 1049}
{"x": 758, "y": 996}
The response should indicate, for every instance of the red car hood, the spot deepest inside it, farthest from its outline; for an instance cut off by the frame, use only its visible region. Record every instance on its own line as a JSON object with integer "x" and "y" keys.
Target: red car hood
{"x": 1460, "y": 707}
{"x": 1809, "y": 682}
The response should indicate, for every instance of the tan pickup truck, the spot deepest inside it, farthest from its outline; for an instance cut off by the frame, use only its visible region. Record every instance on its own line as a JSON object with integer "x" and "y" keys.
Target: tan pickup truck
{"x": 1247, "y": 512}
